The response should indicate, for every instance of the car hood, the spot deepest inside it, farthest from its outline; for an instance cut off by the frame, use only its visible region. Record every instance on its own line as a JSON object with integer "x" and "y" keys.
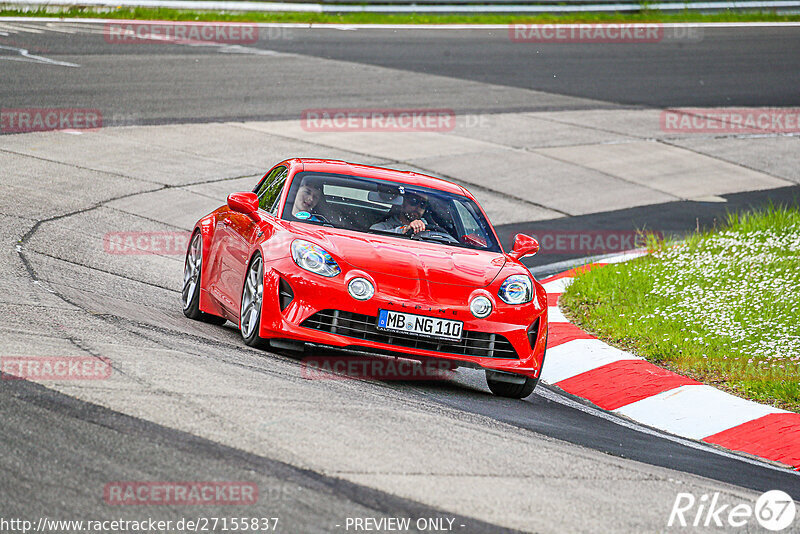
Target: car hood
{"x": 433, "y": 262}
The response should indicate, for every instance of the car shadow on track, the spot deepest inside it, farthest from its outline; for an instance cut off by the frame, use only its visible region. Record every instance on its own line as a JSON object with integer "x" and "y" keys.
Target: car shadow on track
{"x": 427, "y": 377}
{"x": 322, "y": 363}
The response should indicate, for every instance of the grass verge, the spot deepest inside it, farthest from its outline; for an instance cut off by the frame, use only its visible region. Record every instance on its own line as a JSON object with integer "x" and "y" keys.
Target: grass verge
{"x": 409, "y": 18}
{"x": 722, "y": 307}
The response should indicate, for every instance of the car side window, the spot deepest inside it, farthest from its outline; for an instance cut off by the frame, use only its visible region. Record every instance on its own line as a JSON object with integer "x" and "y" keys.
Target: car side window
{"x": 467, "y": 220}
{"x": 269, "y": 190}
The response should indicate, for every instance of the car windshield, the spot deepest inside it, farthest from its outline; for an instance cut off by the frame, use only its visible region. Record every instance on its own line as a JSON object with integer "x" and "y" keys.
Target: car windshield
{"x": 390, "y": 208}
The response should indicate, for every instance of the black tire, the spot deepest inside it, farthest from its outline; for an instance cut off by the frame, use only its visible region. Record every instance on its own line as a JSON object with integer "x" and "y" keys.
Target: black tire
{"x": 192, "y": 274}
{"x": 516, "y": 391}
{"x": 512, "y": 391}
{"x": 252, "y": 296}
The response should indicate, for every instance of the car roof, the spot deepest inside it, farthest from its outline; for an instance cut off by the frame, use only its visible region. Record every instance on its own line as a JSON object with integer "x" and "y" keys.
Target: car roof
{"x": 368, "y": 171}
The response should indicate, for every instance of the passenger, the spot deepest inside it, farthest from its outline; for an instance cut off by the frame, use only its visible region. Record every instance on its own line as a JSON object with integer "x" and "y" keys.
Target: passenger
{"x": 307, "y": 198}
{"x": 408, "y": 218}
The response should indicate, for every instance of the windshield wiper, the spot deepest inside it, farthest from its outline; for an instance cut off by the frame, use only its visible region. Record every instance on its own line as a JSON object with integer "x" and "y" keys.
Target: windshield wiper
{"x": 320, "y": 223}
{"x": 440, "y": 238}
{"x": 387, "y": 232}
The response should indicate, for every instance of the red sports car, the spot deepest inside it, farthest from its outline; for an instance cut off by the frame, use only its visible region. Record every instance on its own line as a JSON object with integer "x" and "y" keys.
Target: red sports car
{"x": 377, "y": 261}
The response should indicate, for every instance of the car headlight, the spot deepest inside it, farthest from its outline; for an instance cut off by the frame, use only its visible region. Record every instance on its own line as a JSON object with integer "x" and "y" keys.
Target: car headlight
{"x": 516, "y": 289}
{"x": 480, "y": 306}
{"x": 360, "y": 289}
{"x": 314, "y": 258}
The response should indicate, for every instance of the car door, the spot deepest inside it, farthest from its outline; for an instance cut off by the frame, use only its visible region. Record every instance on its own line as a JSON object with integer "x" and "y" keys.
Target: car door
{"x": 241, "y": 233}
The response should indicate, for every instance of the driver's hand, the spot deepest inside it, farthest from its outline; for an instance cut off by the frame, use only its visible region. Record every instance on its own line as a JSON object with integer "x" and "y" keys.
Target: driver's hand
{"x": 415, "y": 227}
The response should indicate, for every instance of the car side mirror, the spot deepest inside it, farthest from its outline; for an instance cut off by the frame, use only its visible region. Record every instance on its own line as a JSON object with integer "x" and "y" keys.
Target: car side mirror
{"x": 524, "y": 245}
{"x": 246, "y": 203}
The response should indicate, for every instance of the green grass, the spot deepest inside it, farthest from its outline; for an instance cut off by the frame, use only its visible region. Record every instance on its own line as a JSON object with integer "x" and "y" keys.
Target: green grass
{"x": 410, "y": 18}
{"x": 722, "y": 307}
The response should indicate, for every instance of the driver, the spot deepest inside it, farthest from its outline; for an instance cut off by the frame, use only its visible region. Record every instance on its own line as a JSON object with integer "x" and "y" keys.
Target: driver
{"x": 409, "y": 218}
{"x": 305, "y": 201}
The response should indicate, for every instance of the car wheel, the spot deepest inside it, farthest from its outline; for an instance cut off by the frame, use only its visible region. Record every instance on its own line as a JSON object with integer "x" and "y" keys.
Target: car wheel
{"x": 192, "y": 271}
{"x": 252, "y": 295}
{"x": 502, "y": 387}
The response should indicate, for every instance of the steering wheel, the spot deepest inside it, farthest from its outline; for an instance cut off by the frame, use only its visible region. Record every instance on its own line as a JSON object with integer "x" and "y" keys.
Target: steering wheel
{"x": 444, "y": 237}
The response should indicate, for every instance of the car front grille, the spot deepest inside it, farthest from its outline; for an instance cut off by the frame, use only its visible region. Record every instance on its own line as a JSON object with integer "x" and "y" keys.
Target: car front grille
{"x": 360, "y": 326}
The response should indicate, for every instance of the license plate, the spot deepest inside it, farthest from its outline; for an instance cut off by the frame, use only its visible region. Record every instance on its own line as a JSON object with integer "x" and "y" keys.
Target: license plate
{"x": 419, "y": 325}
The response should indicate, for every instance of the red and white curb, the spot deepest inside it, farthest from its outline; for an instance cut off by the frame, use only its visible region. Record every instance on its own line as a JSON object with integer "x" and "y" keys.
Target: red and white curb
{"x": 623, "y": 383}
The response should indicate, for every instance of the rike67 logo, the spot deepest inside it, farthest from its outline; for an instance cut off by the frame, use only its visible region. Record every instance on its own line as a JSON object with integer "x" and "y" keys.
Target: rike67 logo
{"x": 774, "y": 510}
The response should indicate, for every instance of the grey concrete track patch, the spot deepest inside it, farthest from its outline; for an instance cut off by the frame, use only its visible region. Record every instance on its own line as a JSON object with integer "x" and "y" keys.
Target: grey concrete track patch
{"x": 48, "y": 184}
{"x": 641, "y": 124}
{"x": 561, "y": 186}
{"x": 147, "y": 162}
{"x": 535, "y": 130}
{"x": 680, "y": 173}
{"x": 777, "y": 156}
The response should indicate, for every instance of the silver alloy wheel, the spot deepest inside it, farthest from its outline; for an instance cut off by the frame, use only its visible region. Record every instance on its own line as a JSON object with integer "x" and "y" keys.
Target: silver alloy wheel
{"x": 251, "y": 298}
{"x": 191, "y": 270}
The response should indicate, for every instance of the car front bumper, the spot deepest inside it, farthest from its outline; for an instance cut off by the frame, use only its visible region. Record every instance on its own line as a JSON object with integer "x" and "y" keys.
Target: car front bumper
{"x": 305, "y": 307}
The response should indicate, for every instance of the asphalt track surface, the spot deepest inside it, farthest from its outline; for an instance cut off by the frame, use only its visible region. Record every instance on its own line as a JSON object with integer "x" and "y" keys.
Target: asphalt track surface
{"x": 152, "y": 83}
{"x": 57, "y": 449}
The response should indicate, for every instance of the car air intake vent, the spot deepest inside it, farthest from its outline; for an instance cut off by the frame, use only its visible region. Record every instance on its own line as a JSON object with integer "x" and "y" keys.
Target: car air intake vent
{"x": 363, "y": 327}
{"x": 533, "y": 333}
{"x": 285, "y": 294}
